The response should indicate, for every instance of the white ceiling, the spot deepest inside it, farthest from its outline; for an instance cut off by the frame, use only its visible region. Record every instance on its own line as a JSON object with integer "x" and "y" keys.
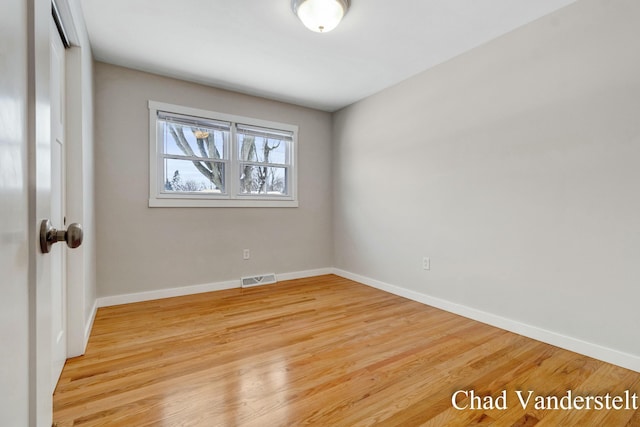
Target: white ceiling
{"x": 259, "y": 47}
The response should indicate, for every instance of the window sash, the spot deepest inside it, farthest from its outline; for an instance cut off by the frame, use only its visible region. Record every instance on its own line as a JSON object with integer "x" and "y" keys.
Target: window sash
{"x": 205, "y": 185}
{"x": 262, "y": 164}
{"x": 192, "y": 121}
{"x": 266, "y": 134}
{"x": 286, "y": 173}
{"x": 262, "y": 132}
{"x": 197, "y": 159}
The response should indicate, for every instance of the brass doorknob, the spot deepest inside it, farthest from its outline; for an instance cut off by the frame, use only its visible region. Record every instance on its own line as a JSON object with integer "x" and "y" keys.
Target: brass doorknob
{"x": 49, "y": 235}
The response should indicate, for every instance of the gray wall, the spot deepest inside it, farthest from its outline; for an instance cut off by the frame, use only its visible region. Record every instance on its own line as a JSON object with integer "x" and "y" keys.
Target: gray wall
{"x": 515, "y": 168}
{"x": 142, "y": 249}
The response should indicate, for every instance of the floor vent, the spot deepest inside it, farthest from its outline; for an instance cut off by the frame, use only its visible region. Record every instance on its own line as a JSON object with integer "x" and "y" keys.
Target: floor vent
{"x": 266, "y": 279}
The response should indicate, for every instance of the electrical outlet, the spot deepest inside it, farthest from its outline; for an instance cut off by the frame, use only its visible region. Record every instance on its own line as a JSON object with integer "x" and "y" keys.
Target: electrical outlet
{"x": 246, "y": 254}
{"x": 426, "y": 263}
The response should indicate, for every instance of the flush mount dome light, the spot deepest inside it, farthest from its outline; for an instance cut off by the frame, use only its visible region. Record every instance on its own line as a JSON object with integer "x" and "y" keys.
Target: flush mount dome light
{"x": 320, "y": 16}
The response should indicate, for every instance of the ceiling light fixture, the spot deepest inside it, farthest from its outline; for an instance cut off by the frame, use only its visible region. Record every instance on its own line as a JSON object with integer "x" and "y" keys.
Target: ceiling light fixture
{"x": 320, "y": 16}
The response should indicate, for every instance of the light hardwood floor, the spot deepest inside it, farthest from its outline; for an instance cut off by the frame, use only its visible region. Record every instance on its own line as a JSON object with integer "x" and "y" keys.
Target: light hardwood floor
{"x": 322, "y": 351}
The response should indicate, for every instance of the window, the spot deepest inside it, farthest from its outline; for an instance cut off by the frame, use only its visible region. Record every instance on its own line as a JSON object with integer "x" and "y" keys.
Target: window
{"x": 201, "y": 158}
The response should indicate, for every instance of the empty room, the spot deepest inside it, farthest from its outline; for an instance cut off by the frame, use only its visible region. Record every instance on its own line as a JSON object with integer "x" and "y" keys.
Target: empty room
{"x": 320, "y": 212}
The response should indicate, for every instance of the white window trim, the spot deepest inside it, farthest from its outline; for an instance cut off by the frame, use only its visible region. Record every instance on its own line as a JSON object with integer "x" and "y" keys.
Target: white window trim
{"x": 232, "y": 199}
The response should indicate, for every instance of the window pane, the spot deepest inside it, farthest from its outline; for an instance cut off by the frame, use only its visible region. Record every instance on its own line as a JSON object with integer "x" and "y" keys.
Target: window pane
{"x": 263, "y": 180}
{"x": 197, "y": 176}
{"x": 262, "y": 149}
{"x": 193, "y": 141}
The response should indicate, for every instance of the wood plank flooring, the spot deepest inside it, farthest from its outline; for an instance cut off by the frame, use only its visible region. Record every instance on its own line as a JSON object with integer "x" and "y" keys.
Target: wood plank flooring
{"x": 322, "y": 351}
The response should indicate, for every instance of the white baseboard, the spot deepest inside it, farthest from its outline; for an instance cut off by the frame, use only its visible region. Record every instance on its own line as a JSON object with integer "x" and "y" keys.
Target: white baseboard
{"x": 197, "y": 289}
{"x": 304, "y": 274}
{"x": 625, "y": 360}
{"x": 166, "y": 293}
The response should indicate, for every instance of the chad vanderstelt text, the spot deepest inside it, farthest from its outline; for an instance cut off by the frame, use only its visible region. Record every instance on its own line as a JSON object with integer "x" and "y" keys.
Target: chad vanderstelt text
{"x": 468, "y": 399}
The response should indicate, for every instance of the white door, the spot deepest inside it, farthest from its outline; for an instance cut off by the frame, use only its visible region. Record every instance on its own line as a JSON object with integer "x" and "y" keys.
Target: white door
{"x": 14, "y": 226}
{"x": 58, "y": 218}
{"x": 25, "y": 297}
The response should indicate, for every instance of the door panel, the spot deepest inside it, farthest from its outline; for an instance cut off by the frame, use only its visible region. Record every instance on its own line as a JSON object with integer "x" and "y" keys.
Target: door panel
{"x": 14, "y": 262}
{"x": 58, "y": 178}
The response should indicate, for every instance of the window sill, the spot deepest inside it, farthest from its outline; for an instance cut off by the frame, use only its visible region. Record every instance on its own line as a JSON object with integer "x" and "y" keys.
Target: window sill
{"x": 221, "y": 203}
